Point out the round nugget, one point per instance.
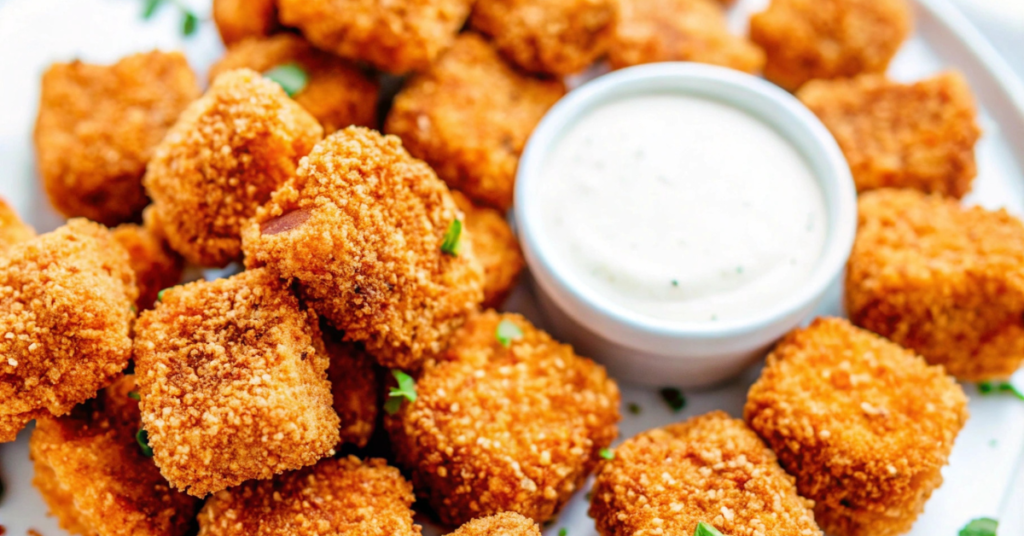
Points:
(361, 228)
(497, 248)
(12, 229)
(506, 524)
(498, 428)
(233, 379)
(336, 497)
(155, 264)
(355, 386)
(338, 94)
(222, 159)
(238, 20)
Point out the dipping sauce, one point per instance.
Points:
(682, 208)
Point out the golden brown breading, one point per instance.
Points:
(812, 39)
(222, 159)
(497, 429)
(470, 116)
(11, 425)
(551, 37)
(12, 229)
(506, 524)
(355, 386)
(155, 264)
(336, 497)
(233, 379)
(95, 478)
(863, 424)
(896, 135)
(238, 20)
(650, 31)
(98, 126)
(66, 305)
(497, 248)
(709, 468)
(395, 36)
(338, 94)
(360, 227)
(944, 281)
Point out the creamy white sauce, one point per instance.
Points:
(682, 208)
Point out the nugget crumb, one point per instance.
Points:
(155, 264)
(497, 248)
(506, 524)
(238, 20)
(12, 229)
(355, 386)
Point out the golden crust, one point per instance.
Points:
(497, 429)
(98, 126)
(222, 159)
(649, 31)
(233, 380)
(336, 497)
(506, 524)
(551, 37)
(812, 39)
(94, 477)
(360, 227)
(470, 116)
(11, 425)
(396, 36)
(338, 94)
(863, 424)
(155, 264)
(12, 229)
(238, 20)
(709, 468)
(355, 386)
(942, 280)
(919, 135)
(496, 246)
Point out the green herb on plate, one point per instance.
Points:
(406, 390)
(983, 526)
(508, 332)
(674, 398)
(290, 76)
(142, 438)
(704, 529)
(451, 243)
(607, 454)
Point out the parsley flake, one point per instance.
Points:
(189, 20)
(982, 526)
(563, 531)
(674, 398)
(290, 76)
(607, 454)
(150, 8)
(189, 23)
(451, 244)
(142, 438)
(634, 408)
(160, 296)
(703, 529)
(507, 332)
(134, 395)
(406, 390)
(986, 388)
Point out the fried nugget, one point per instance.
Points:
(155, 264)
(650, 31)
(549, 37)
(233, 379)
(506, 524)
(864, 425)
(336, 497)
(337, 94)
(470, 116)
(942, 280)
(498, 428)
(710, 469)
(919, 135)
(238, 20)
(98, 126)
(222, 159)
(95, 478)
(361, 227)
(825, 39)
(12, 229)
(66, 306)
(396, 36)
(497, 248)
(355, 386)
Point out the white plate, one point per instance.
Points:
(987, 457)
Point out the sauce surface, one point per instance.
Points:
(682, 208)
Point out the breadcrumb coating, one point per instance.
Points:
(470, 116)
(919, 135)
(710, 469)
(10, 425)
(360, 227)
(497, 248)
(650, 31)
(238, 20)
(497, 429)
(506, 524)
(233, 379)
(355, 386)
(336, 497)
(222, 159)
(155, 264)
(942, 280)
(12, 229)
(98, 126)
(864, 425)
(95, 478)
(825, 39)
(338, 94)
(548, 37)
(397, 36)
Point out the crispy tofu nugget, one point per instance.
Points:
(355, 386)
(548, 37)
(233, 379)
(66, 306)
(496, 428)
(825, 39)
(336, 497)
(395, 36)
(470, 116)
(98, 126)
(710, 469)
(942, 280)
(506, 524)
(650, 31)
(12, 229)
(497, 248)
(238, 20)
(919, 135)
(362, 227)
(337, 94)
(864, 425)
(155, 264)
(94, 476)
(221, 161)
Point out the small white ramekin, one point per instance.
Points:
(648, 351)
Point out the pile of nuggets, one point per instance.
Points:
(357, 362)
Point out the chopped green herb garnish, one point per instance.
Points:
(142, 438)
(607, 454)
(406, 390)
(703, 529)
(451, 243)
(290, 76)
(634, 408)
(986, 388)
(150, 8)
(982, 526)
(134, 395)
(189, 23)
(160, 295)
(674, 398)
(507, 332)
(133, 309)
(563, 531)
(675, 282)
(589, 496)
